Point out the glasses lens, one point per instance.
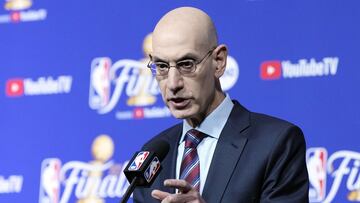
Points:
(160, 68)
(186, 66)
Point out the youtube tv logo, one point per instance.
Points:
(14, 87)
(46, 85)
(303, 68)
(270, 70)
(15, 17)
(139, 113)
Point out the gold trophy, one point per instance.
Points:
(16, 5)
(144, 98)
(354, 196)
(102, 150)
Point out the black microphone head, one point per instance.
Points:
(159, 147)
(145, 165)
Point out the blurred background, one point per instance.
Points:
(77, 100)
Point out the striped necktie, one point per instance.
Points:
(190, 165)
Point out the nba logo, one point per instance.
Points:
(138, 161)
(316, 165)
(152, 169)
(99, 95)
(50, 181)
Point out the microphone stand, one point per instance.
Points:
(129, 190)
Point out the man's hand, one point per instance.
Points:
(186, 193)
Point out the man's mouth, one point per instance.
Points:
(179, 103)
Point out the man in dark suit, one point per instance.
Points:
(221, 152)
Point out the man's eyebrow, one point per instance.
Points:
(187, 56)
(184, 57)
(157, 59)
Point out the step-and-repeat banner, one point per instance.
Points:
(76, 99)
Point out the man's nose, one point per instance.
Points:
(175, 80)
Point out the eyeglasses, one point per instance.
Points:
(185, 67)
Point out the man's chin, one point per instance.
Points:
(180, 114)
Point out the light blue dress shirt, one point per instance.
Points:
(212, 125)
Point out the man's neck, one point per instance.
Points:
(196, 121)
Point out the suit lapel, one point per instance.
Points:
(227, 153)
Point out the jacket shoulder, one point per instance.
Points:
(259, 119)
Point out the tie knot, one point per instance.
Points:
(193, 138)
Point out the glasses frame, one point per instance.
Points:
(154, 70)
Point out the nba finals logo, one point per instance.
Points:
(84, 182)
(130, 83)
(342, 166)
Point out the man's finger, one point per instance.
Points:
(181, 185)
(160, 195)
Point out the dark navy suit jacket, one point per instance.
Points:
(258, 158)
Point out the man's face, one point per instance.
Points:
(187, 96)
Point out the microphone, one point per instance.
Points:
(145, 166)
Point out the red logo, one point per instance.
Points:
(15, 87)
(138, 113)
(15, 17)
(270, 70)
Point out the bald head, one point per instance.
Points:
(185, 38)
(185, 25)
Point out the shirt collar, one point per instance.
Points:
(213, 124)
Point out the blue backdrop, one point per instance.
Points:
(76, 101)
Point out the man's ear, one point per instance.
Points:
(220, 56)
